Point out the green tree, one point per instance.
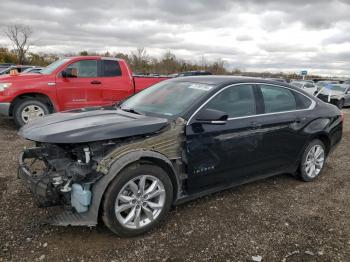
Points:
(84, 53)
(6, 56)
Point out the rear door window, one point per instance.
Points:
(111, 68)
(279, 99)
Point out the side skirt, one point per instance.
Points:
(186, 198)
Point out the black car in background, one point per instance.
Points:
(19, 69)
(32, 70)
(174, 141)
(4, 66)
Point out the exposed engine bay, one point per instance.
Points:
(62, 174)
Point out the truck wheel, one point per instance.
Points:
(340, 103)
(28, 109)
(137, 200)
(312, 161)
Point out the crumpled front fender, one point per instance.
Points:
(90, 218)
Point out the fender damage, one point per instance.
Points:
(75, 176)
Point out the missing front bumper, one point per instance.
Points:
(44, 196)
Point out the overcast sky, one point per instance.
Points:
(271, 35)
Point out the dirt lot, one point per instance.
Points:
(279, 219)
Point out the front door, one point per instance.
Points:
(225, 154)
(81, 87)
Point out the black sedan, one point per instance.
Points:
(177, 140)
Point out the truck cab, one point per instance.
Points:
(68, 83)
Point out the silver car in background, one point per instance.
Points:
(336, 94)
(306, 86)
(322, 84)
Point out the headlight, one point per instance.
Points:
(4, 86)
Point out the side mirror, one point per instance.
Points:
(212, 117)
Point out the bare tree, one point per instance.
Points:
(19, 36)
(140, 60)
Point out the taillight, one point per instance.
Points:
(342, 116)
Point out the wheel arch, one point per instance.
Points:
(34, 95)
(134, 157)
(325, 139)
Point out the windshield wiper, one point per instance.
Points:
(130, 110)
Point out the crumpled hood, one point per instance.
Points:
(88, 125)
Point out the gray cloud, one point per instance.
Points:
(271, 34)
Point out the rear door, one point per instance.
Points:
(286, 112)
(229, 153)
(81, 87)
(114, 85)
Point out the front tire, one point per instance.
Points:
(137, 200)
(313, 160)
(27, 110)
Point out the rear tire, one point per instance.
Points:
(313, 160)
(130, 209)
(28, 109)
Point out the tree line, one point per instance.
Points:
(139, 61)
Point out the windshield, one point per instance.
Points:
(338, 88)
(52, 67)
(166, 98)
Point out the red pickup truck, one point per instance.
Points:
(69, 83)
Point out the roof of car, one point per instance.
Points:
(93, 57)
(226, 80)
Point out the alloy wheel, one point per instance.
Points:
(140, 202)
(314, 161)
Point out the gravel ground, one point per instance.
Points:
(279, 219)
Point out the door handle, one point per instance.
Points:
(95, 82)
(299, 120)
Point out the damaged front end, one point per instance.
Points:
(59, 174)
(76, 157)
